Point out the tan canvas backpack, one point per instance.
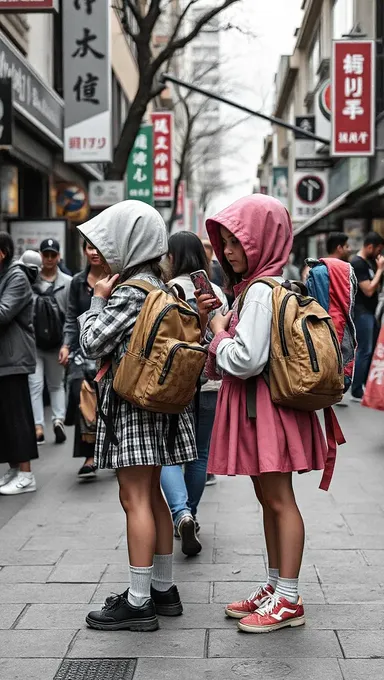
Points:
(164, 359)
(305, 369)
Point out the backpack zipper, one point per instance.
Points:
(311, 348)
(171, 356)
(281, 324)
(156, 325)
(337, 347)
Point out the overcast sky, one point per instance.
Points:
(251, 63)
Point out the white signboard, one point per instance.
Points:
(27, 235)
(310, 194)
(105, 193)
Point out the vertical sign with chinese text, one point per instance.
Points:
(87, 81)
(163, 155)
(353, 98)
(140, 167)
(180, 206)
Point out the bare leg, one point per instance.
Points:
(279, 496)
(136, 498)
(162, 516)
(24, 467)
(270, 528)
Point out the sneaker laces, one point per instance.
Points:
(113, 601)
(269, 605)
(254, 596)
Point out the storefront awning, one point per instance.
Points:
(340, 200)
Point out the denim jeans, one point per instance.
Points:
(366, 332)
(183, 490)
(48, 365)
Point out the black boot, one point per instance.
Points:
(167, 603)
(118, 614)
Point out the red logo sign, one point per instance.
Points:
(353, 98)
(163, 155)
(27, 5)
(180, 208)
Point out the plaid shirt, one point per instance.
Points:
(105, 331)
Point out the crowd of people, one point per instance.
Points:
(75, 336)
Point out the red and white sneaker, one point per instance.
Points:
(237, 610)
(275, 613)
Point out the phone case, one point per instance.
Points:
(201, 282)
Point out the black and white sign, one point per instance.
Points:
(313, 163)
(310, 194)
(307, 124)
(106, 193)
(6, 112)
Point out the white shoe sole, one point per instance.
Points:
(26, 489)
(235, 615)
(290, 623)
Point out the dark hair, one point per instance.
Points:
(373, 239)
(188, 254)
(7, 247)
(85, 244)
(153, 265)
(335, 239)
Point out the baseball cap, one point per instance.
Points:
(50, 244)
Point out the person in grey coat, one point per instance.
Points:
(17, 361)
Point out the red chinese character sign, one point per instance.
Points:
(353, 98)
(163, 155)
(28, 5)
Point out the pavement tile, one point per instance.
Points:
(55, 617)
(25, 574)
(351, 575)
(33, 669)
(191, 592)
(71, 541)
(374, 557)
(121, 644)
(289, 643)
(357, 646)
(239, 669)
(327, 541)
(93, 557)
(345, 617)
(49, 592)
(360, 669)
(362, 523)
(229, 592)
(190, 571)
(9, 614)
(32, 644)
(76, 573)
(30, 557)
(335, 558)
(347, 593)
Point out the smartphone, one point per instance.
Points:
(201, 282)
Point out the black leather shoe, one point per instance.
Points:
(119, 614)
(167, 603)
(190, 544)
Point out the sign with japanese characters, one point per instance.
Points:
(140, 167)
(106, 193)
(28, 5)
(6, 112)
(353, 98)
(310, 194)
(163, 155)
(87, 81)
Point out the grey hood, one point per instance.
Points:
(127, 234)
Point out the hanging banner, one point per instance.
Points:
(87, 81)
(6, 113)
(163, 155)
(29, 5)
(180, 207)
(280, 184)
(140, 167)
(353, 98)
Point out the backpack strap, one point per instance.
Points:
(138, 283)
(271, 283)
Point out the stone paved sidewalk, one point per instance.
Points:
(62, 550)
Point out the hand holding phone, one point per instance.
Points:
(202, 283)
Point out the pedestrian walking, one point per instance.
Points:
(253, 238)
(17, 361)
(369, 267)
(80, 368)
(338, 246)
(50, 306)
(184, 488)
(131, 238)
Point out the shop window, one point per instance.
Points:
(342, 18)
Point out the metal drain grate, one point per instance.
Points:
(96, 669)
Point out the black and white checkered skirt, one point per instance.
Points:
(142, 436)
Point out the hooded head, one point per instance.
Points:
(127, 234)
(264, 229)
(31, 263)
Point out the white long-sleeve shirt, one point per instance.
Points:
(247, 353)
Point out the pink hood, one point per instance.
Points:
(264, 229)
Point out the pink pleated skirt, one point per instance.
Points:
(278, 440)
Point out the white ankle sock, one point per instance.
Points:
(27, 474)
(162, 578)
(140, 588)
(273, 575)
(288, 588)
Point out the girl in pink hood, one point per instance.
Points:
(253, 238)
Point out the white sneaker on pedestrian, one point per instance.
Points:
(10, 474)
(21, 483)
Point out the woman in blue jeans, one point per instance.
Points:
(183, 488)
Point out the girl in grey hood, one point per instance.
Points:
(131, 237)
